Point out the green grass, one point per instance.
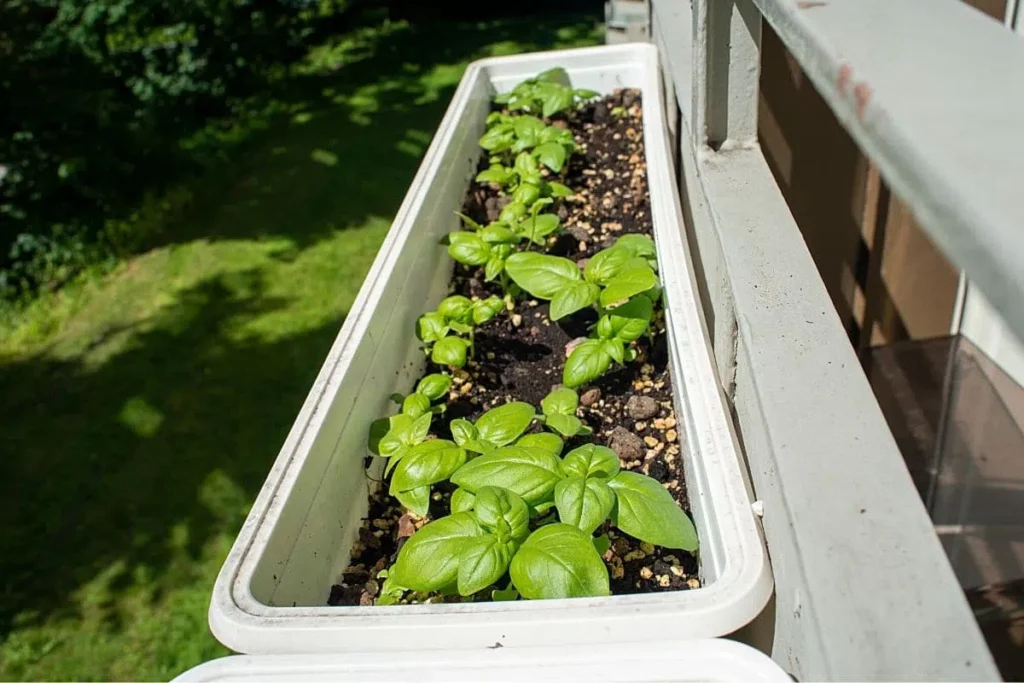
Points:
(143, 407)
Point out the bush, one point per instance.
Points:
(96, 96)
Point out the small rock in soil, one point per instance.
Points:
(590, 397)
(578, 232)
(627, 444)
(641, 407)
(406, 527)
(571, 346)
(629, 98)
(494, 205)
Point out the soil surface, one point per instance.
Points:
(520, 355)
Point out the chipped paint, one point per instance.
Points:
(861, 95)
(843, 80)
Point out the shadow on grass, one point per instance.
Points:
(120, 469)
(340, 139)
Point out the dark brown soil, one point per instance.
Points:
(520, 356)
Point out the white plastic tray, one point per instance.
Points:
(718, 661)
(271, 593)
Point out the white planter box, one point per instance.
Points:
(271, 593)
(706, 661)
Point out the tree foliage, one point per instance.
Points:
(96, 95)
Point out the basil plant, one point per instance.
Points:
(620, 281)
(523, 510)
(440, 330)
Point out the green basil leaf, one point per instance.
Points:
(560, 401)
(602, 543)
(482, 561)
(636, 245)
(606, 264)
(555, 100)
(541, 275)
(645, 510)
(544, 441)
(584, 503)
(504, 424)
(507, 595)
(591, 460)
(566, 425)
(587, 362)
(462, 501)
(559, 190)
(497, 174)
(497, 139)
(628, 321)
(396, 436)
(378, 430)
(627, 283)
(434, 386)
(493, 269)
(537, 229)
(479, 446)
(428, 463)
(486, 309)
(395, 458)
(558, 561)
(525, 164)
(585, 94)
(529, 472)
(418, 430)
(469, 221)
(551, 154)
(429, 560)
(512, 213)
(468, 248)
(450, 351)
(493, 504)
(527, 193)
(456, 307)
(431, 327)
(528, 126)
(463, 431)
(573, 297)
(415, 405)
(555, 75)
(417, 500)
(615, 349)
(496, 233)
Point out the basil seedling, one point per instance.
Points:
(461, 316)
(548, 93)
(559, 409)
(620, 281)
(523, 181)
(549, 145)
(497, 427)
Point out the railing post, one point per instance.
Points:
(726, 66)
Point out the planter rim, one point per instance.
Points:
(739, 592)
(714, 661)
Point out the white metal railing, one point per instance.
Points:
(933, 92)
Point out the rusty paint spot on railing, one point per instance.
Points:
(862, 95)
(810, 5)
(843, 80)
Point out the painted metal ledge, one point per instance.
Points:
(863, 587)
(932, 91)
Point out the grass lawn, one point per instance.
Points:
(142, 408)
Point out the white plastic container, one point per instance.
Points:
(271, 593)
(717, 661)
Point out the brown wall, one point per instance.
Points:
(886, 278)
